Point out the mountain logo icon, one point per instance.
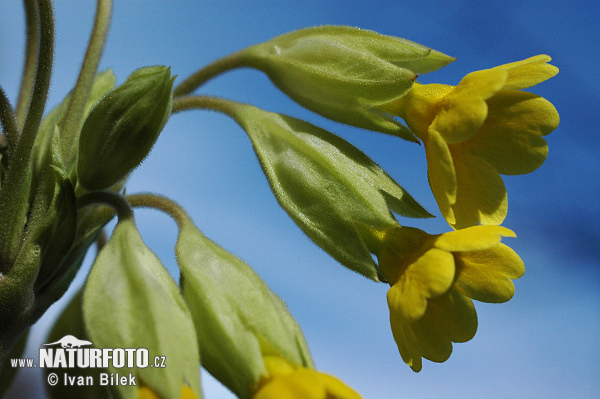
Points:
(69, 341)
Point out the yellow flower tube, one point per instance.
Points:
(472, 133)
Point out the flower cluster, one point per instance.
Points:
(57, 175)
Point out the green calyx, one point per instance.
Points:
(345, 73)
(330, 188)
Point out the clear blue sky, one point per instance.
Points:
(544, 343)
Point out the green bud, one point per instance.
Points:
(131, 301)
(122, 127)
(345, 73)
(238, 318)
(330, 188)
(52, 123)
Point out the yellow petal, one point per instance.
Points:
(405, 338)
(336, 388)
(145, 392)
(449, 318)
(302, 384)
(510, 140)
(480, 195)
(428, 276)
(464, 110)
(472, 238)
(528, 72)
(486, 275)
(188, 393)
(441, 174)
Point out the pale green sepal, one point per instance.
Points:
(345, 73)
(121, 129)
(131, 301)
(238, 318)
(328, 186)
(433, 61)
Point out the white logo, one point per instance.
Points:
(70, 354)
(69, 341)
(73, 352)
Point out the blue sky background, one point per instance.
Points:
(544, 343)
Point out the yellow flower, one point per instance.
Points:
(286, 381)
(145, 392)
(433, 279)
(473, 132)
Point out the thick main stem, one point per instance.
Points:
(9, 124)
(13, 197)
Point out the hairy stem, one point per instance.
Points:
(31, 57)
(13, 197)
(223, 105)
(232, 61)
(8, 122)
(110, 198)
(161, 203)
(81, 92)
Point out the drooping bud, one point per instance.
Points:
(121, 129)
(238, 319)
(345, 73)
(146, 311)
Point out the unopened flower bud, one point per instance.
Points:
(121, 129)
(345, 73)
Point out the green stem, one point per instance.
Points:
(110, 198)
(81, 92)
(232, 61)
(8, 122)
(13, 197)
(161, 203)
(31, 57)
(225, 106)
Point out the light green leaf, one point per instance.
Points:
(131, 301)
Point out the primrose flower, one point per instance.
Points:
(433, 279)
(475, 131)
(145, 392)
(286, 381)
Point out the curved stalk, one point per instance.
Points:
(161, 203)
(212, 103)
(116, 201)
(232, 61)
